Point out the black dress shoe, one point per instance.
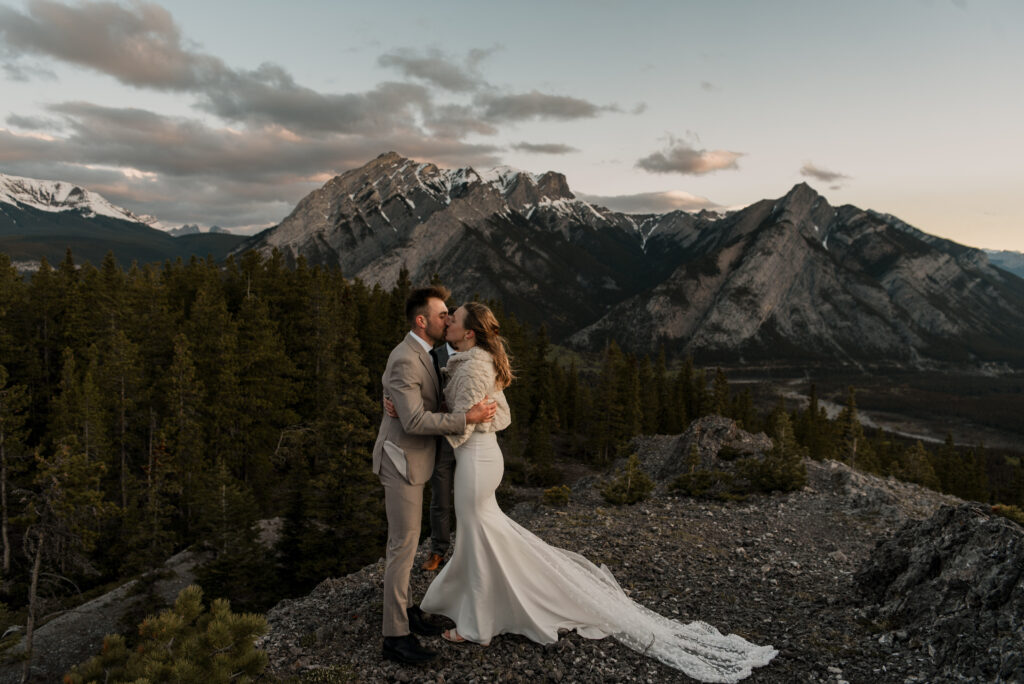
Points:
(419, 624)
(406, 650)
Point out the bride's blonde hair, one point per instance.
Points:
(482, 322)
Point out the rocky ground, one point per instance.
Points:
(775, 569)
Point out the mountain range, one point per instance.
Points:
(41, 218)
(790, 278)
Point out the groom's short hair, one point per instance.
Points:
(416, 304)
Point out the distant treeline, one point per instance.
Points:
(147, 410)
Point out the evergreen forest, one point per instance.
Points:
(176, 405)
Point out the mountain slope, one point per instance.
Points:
(522, 239)
(800, 279)
(1007, 260)
(794, 278)
(41, 218)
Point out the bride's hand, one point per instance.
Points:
(389, 408)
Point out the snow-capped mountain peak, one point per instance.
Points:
(59, 196)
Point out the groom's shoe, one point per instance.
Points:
(433, 563)
(406, 650)
(419, 624)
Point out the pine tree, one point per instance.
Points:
(669, 422)
(182, 432)
(947, 461)
(45, 318)
(650, 399)
(616, 394)
(684, 395)
(183, 644)
(720, 394)
(743, 411)
(120, 385)
(62, 518)
(259, 407)
(813, 428)
(853, 446)
(783, 468)
(915, 466)
(632, 484)
(78, 409)
(242, 568)
(13, 404)
(540, 452)
(13, 294)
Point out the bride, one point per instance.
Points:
(504, 579)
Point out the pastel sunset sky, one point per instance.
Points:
(229, 112)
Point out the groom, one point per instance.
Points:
(403, 459)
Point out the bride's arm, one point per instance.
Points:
(470, 384)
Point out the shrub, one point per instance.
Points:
(707, 483)
(631, 486)
(1013, 513)
(556, 496)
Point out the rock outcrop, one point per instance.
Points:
(77, 634)
(953, 586)
(776, 569)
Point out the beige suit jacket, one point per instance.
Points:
(412, 385)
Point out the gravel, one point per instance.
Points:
(775, 569)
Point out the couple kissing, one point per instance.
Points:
(501, 578)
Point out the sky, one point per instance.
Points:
(223, 112)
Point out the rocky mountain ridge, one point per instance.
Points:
(789, 278)
(795, 570)
(60, 196)
(1007, 260)
(42, 218)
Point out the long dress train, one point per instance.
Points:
(504, 579)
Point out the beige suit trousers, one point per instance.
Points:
(404, 505)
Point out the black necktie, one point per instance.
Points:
(437, 369)
(440, 398)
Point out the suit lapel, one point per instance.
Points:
(428, 364)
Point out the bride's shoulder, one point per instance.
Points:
(476, 359)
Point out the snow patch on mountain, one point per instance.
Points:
(60, 196)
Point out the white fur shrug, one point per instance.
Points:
(471, 377)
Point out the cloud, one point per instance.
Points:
(140, 45)
(537, 105)
(708, 86)
(809, 170)
(269, 95)
(23, 74)
(651, 202)
(544, 148)
(455, 121)
(437, 68)
(681, 157)
(183, 171)
(270, 139)
(33, 123)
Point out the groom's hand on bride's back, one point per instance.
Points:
(482, 412)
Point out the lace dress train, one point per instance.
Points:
(504, 579)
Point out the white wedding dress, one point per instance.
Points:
(504, 579)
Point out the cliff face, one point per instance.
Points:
(800, 279)
(794, 278)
